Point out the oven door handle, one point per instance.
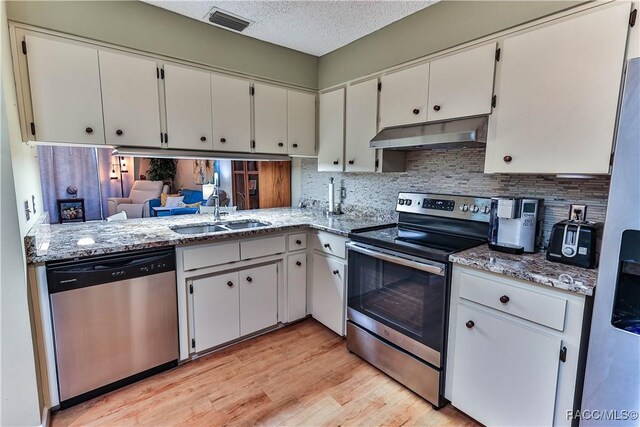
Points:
(433, 268)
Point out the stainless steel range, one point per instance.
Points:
(399, 282)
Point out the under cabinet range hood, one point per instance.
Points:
(420, 136)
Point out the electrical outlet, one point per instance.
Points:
(578, 212)
(27, 211)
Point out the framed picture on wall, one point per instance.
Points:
(71, 210)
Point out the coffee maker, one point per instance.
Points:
(515, 225)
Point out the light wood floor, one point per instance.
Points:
(301, 375)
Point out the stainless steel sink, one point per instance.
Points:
(245, 224)
(216, 228)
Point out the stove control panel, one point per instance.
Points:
(445, 205)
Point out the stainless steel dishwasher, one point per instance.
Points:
(114, 321)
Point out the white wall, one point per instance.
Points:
(19, 398)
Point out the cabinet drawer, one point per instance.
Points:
(297, 241)
(262, 247)
(207, 256)
(543, 309)
(330, 244)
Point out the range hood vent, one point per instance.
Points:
(228, 21)
(420, 136)
(163, 153)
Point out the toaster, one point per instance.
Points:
(575, 243)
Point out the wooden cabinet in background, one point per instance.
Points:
(331, 141)
(188, 105)
(301, 123)
(130, 100)
(231, 108)
(270, 119)
(403, 96)
(261, 184)
(65, 91)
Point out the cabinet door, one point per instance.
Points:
(461, 85)
(188, 99)
(361, 126)
(216, 310)
(130, 100)
(297, 286)
(270, 109)
(403, 96)
(327, 293)
(301, 123)
(231, 113)
(504, 373)
(258, 298)
(557, 95)
(331, 147)
(65, 91)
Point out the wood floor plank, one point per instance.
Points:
(299, 375)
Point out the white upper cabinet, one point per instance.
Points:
(403, 98)
(130, 100)
(461, 85)
(557, 93)
(231, 113)
(301, 123)
(188, 104)
(270, 119)
(65, 91)
(331, 147)
(361, 126)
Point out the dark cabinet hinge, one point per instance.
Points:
(494, 100)
(253, 144)
(190, 289)
(379, 86)
(563, 354)
(33, 129)
(158, 72)
(632, 17)
(161, 73)
(166, 138)
(497, 54)
(193, 343)
(377, 164)
(24, 47)
(161, 138)
(611, 159)
(252, 90)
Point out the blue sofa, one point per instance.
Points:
(190, 196)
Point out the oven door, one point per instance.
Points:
(399, 298)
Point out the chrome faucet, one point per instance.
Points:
(216, 207)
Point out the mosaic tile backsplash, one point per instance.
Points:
(452, 171)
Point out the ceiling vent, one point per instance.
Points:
(226, 20)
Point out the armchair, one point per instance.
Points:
(137, 204)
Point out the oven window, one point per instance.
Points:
(410, 301)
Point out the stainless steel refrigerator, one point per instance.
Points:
(611, 395)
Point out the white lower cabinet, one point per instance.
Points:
(505, 373)
(328, 291)
(258, 298)
(296, 286)
(216, 304)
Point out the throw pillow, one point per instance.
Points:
(163, 198)
(174, 202)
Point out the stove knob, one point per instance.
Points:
(486, 210)
(475, 208)
(407, 202)
(464, 208)
(401, 201)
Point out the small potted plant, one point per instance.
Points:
(162, 170)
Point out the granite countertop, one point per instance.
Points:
(530, 267)
(49, 242)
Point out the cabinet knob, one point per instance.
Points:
(504, 299)
(230, 284)
(203, 138)
(298, 263)
(89, 130)
(336, 272)
(280, 144)
(223, 140)
(327, 245)
(298, 242)
(249, 279)
(507, 159)
(436, 108)
(351, 162)
(295, 145)
(470, 324)
(416, 111)
(119, 132)
(335, 162)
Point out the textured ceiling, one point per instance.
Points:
(314, 27)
